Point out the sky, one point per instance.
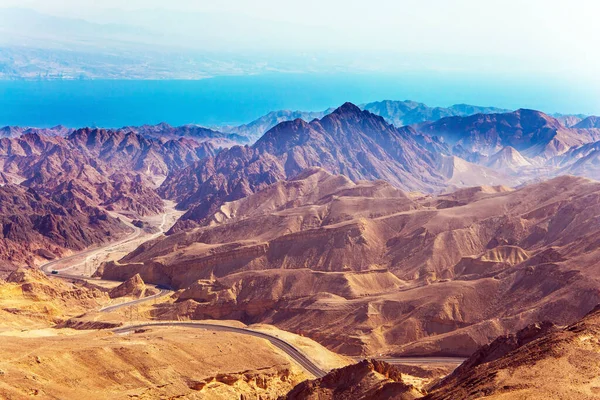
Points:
(540, 43)
(542, 36)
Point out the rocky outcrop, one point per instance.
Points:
(499, 348)
(34, 227)
(367, 380)
(539, 362)
(133, 287)
(29, 295)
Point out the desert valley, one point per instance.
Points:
(389, 250)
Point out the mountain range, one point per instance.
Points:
(359, 258)
(456, 237)
(130, 169)
(398, 113)
(495, 149)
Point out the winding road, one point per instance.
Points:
(296, 355)
(47, 268)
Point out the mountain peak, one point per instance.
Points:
(589, 123)
(347, 108)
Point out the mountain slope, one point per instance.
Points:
(592, 122)
(508, 159)
(540, 362)
(532, 133)
(461, 173)
(35, 228)
(359, 259)
(401, 113)
(260, 126)
(348, 141)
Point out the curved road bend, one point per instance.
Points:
(290, 350)
(424, 360)
(163, 292)
(287, 348)
(46, 267)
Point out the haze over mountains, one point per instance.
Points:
(398, 113)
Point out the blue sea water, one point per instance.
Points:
(240, 99)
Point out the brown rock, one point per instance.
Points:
(133, 287)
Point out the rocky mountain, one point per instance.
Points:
(34, 227)
(580, 161)
(592, 122)
(508, 159)
(484, 149)
(196, 132)
(401, 113)
(114, 169)
(16, 131)
(255, 129)
(539, 362)
(569, 120)
(359, 258)
(398, 113)
(534, 134)
(162, 131)
(130, 151)
(348, 141)
(58, 189)
(367, 380)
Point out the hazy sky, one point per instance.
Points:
(548, 43)
(543, 36)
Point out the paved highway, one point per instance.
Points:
(286, 347)
(47, 268)
(424, 360)
(289, 349)
(163, 292)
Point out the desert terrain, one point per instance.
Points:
(380, 271)
(341, 258)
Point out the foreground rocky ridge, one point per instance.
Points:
(542, 361)
(367, 380)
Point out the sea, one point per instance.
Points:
(240, 99)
